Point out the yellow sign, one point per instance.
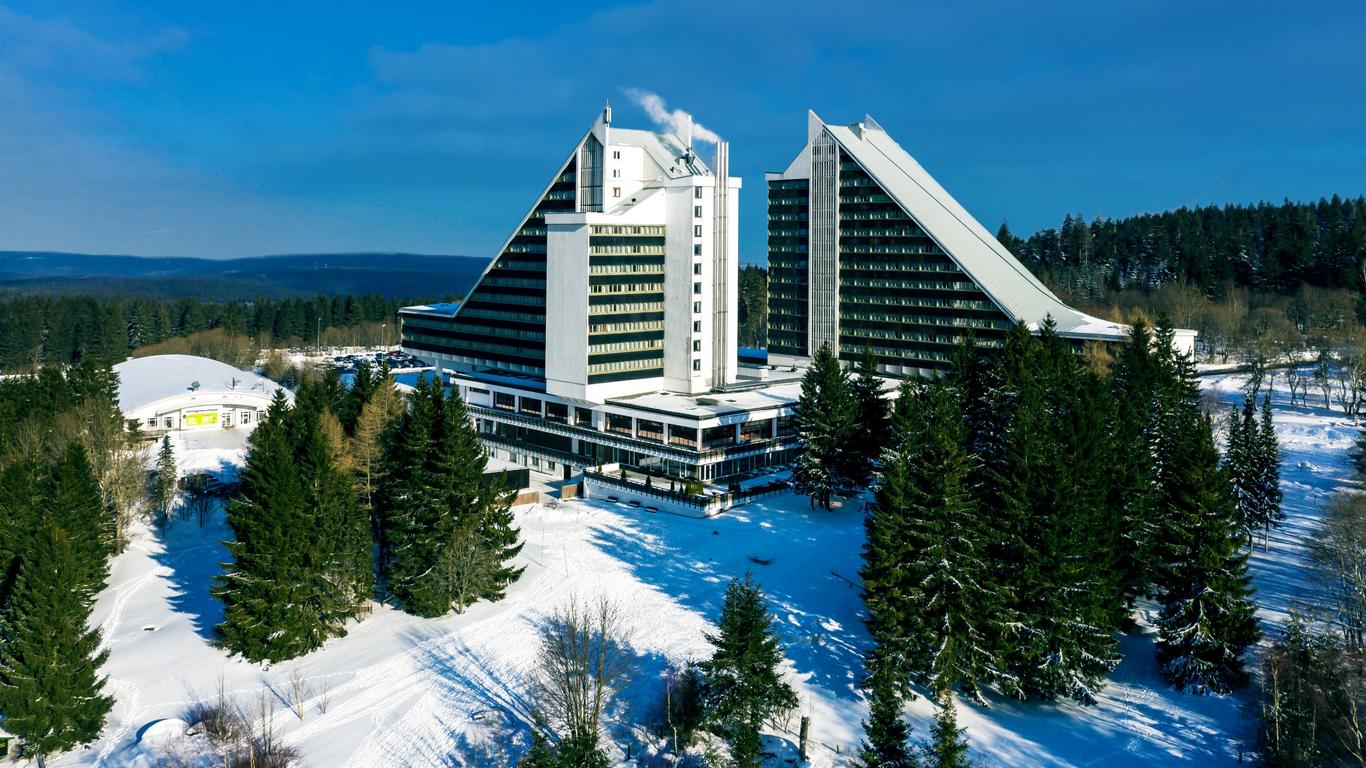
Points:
(203, 419)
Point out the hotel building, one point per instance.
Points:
(605, 329)
(866, 249)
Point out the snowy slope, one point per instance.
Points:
(403, 691)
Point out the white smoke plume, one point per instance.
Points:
(675, 120)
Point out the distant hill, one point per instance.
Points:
(390, 274)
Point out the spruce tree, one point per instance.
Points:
(866, 390)
(164, 481)
(448, 534)
(1053, 492)
(826, 417)
(539, 755)
(1133, 498)
(885, 733)
(943, 603)
(22, 488)
(1268, 472)
(50, 690)
(297, 561)
(886, 583)
(742, 678)
(74, 503)
(1208, 618)
(581, 752)
(1240, 464)
(946, 748)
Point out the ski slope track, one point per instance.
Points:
(403, 691)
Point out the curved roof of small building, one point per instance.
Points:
(146, 380)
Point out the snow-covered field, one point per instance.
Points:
(402, 691)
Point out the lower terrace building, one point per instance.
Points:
(604, 332)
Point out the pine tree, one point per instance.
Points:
(50, 688)
(164, 481)
(866, 390)
(885, 733)
(826, 417)
(947, 748)
(744, 685)
(1208, 618)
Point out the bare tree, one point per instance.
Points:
(1338, 549)
(1350, 375)
(1297, 380)
(583, 664)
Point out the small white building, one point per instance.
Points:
(167, 393)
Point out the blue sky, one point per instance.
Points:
(233, 129)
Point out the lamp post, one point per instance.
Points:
(384, 335)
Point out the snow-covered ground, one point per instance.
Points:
(403, 691)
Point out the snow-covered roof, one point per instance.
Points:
(146, 380)
(442, 309)
(665, 149)
(776, 395)
(996, 271)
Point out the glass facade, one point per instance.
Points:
(788, 216)
(899, 293)
(502, 324)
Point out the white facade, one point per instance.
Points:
(166, 393)
(649, 180)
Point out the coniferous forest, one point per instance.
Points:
(1265, 247)
(347, 486)
(1024, 503)
(64, 502)
(56, 330)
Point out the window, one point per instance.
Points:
(246, 417)
(697, 269)
(697, 230)
(697, 307)
(170, 422)
(697, 211)
(697, 249)
(697, 345)
(697, 288)
(616, 173)
(583, 417)
(696, 364)
(616, 155)
(616, 191)
(697, 326)
(697, 193)
(504, 401)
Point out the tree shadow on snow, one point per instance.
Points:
(489, 709)
(194, 557)
(806, 561)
